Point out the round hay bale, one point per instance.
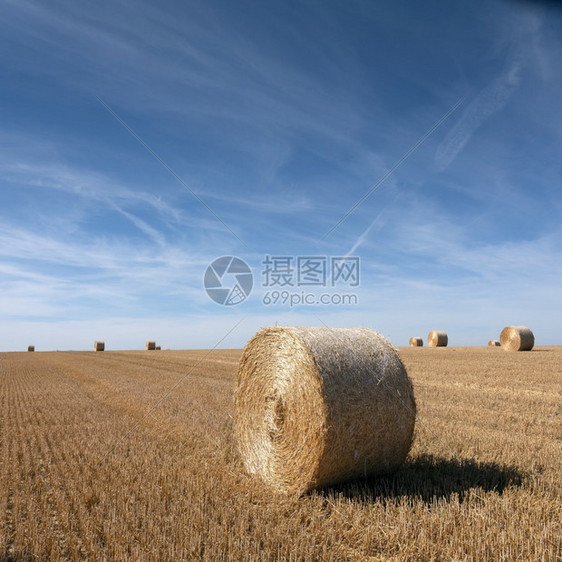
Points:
(318, 406)
(517, 338)
(437, 339)
(494, 343)
(158, 348)
(150, 345)
(30, 348)
(99, 346)
(416, 342)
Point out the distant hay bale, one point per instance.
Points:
(30, 348)
(99, 346)
(150, 345)
(437, 339)
(158, 348)
(494, 343)
(517, 338)
(416, 342)
(318, 406)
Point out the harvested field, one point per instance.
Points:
(130, 456)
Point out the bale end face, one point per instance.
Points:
(437, 339)
(517, 338)
(416, 342)
(318, 406)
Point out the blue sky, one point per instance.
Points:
(278, 117)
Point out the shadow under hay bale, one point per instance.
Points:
(316, 406)
(437, 339)
(431, 479)
(517, 338)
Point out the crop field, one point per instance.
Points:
(130, 456)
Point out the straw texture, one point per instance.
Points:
(437, 339)
(99, 346)
(494, 343)
(317, 406)
(416, 342)
(150, 345)
(30, 348)
(517, 338)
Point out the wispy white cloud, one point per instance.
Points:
(257, 102)
(83, 183)
(167, 215)
(520, 37)
(287, 201)
(58, 276)
(376, 224)
(143, 226)
(486, 103)
(419, 235)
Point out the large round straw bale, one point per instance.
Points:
(416, 342)
(494, 343)
(517, 338)
(30, 348)
(437, 339)
(150, 345)
(99, 346)
(317, 406)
